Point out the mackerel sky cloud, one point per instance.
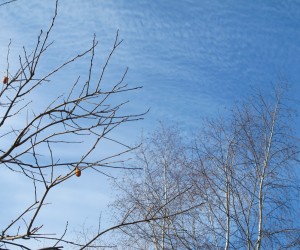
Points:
(193, 58)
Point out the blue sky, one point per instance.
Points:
(193, 59)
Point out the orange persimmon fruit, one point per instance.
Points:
(5, 79)
(77, 172)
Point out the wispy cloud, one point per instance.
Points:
(192, 57)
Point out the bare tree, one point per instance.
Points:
(33, 133)
(237, 182)
(249, 165)
(162, 190)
